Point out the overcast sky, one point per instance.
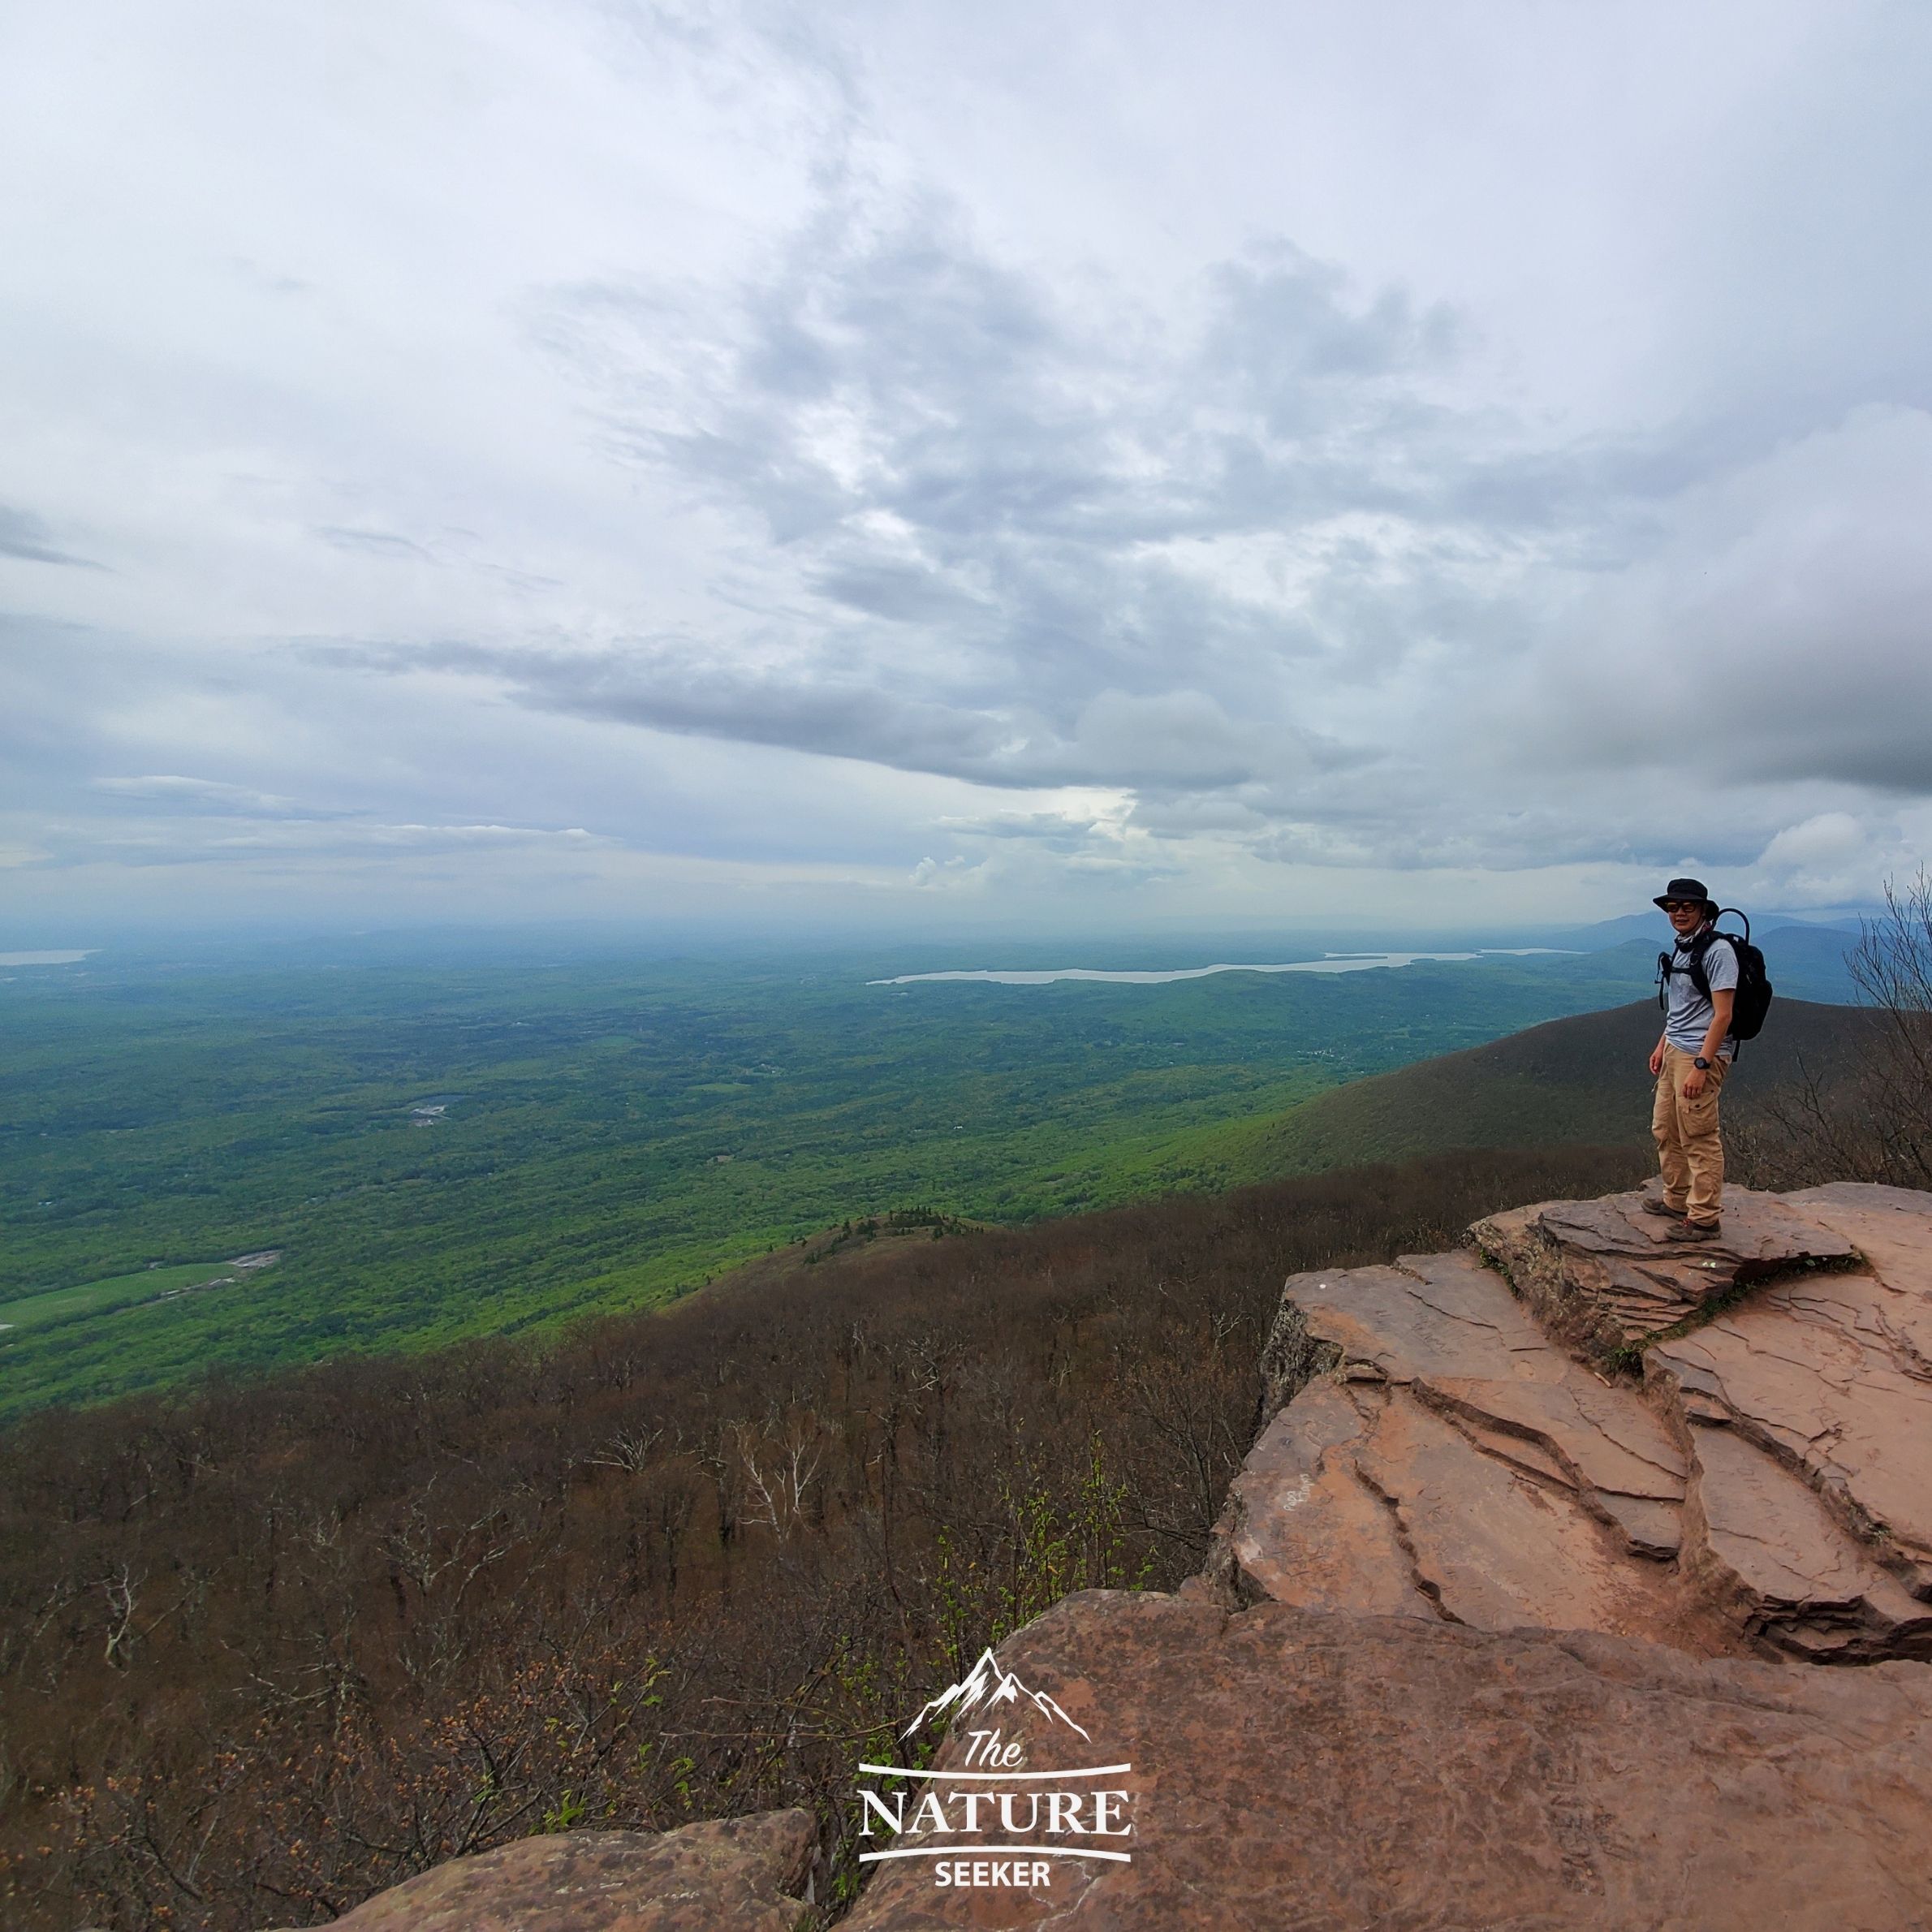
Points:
(1070, 464)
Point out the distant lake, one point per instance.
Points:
(1332, 962)
(42, 958)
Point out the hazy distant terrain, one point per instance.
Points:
(478, 1149)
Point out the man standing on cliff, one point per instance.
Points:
(1690, 1062)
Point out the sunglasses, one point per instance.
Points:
(1684, 905)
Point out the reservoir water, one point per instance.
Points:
(1333, 962)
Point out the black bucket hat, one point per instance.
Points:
(1687, 889)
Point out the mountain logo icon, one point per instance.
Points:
(986, 1687)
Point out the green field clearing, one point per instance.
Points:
(117, 1292)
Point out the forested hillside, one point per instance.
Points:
(1582, 1079)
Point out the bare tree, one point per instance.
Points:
(1893, 968)
(1871, 1122)
(778, 1489)
(629, 1449)
(120, 1587)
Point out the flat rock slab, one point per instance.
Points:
(1448, 1327)
(1297, 1772)
(1890, 1226)
(723, 1875)
(1449, 1461)
(1763, 1548)
(1363, 1498)
(1302, 1525)
(1603, 1277)
(1808, 1412)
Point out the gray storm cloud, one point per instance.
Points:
(981, 495)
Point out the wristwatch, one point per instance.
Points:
(1701, 1064)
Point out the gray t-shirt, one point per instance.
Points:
(1688, 1019)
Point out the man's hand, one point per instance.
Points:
(1693, 1083)
(1656, 1058)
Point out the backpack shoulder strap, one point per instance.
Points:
(1699, 946)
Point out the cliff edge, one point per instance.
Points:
(1515, 1611)
(1514, 1620)
(1450, 1440)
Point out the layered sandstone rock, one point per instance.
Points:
(1831, 1374)
(723, 1875)
(1453, 1462)
(1808, 1412)
(1293, 1770)
(1768, 1486)
(1601, 1276)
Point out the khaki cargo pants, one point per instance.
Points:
(1690, 1150)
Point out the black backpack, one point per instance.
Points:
(1753, 998)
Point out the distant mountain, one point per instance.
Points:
(1808, 961)
(1804, 962)
(1651, 926)
(987, 1684)
(1654, 928)
(1581, 1081)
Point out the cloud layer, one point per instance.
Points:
(725, 454)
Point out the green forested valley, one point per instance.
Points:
(482, 1147)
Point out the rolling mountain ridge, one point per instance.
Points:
(1581, 1081)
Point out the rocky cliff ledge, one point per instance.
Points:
(1515, 1614)
(1515, 1607)
(1437, 1450)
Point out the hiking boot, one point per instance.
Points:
(1694, 1230)
(1655, 1205)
